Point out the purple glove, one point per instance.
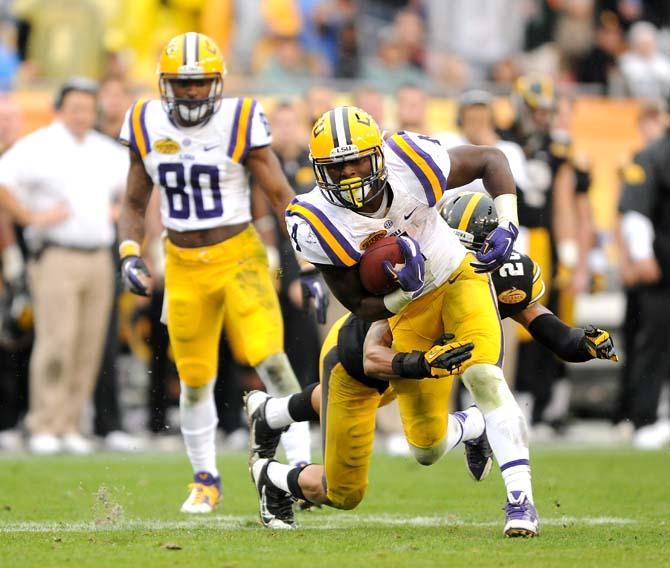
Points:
(411, 276)
(313, 288)
(496, 250)
(131, 269)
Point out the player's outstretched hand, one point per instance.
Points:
(446, 357)
(497, 248)
(313, 289)
(135, 275)
(411, 276)
(599, 344)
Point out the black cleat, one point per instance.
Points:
(263, 440)
(275, 505)
(478, 457)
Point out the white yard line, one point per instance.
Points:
(316, 522)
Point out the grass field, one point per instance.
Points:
(599, 508)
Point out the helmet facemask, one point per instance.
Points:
(186, 111)
(356, 192)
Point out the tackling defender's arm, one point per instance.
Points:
(572, 344)
(381, 361)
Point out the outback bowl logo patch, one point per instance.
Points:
(372, 239)
(166, 146)
(512, 296)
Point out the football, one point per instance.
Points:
(373, 277)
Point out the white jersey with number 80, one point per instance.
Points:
(200, 170)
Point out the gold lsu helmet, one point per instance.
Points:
(345, 134)
(191, 57)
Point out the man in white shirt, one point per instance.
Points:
(60, 182)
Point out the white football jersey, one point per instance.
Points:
(418, 168)
(199, 170)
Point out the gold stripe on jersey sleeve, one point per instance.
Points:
(538, 288)
(469, 210)
(138, 131)
(242, 128)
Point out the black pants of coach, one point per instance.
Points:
(651, 362)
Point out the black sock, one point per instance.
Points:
(300, 405)
(293, 485)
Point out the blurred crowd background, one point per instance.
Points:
(407, 62)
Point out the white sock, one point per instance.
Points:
(508, 436)
(276, 412)
(277, 375)
(278, 474)
(505, 425)
(280, 380)
(197, 412)
(296, 444)
(471, 421)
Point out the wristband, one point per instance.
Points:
(410, 365)
(506, 209)
(129, 248)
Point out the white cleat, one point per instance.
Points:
(77, 445)
(44, 444)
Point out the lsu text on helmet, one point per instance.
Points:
(345, 134)
(195, 58)
(472, 215)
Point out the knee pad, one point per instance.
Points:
(195, 373)
(428, 456)
(277, 375)
(346, 498)
(183, 317)
(192, 395)
(487, 386)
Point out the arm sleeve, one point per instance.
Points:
(565, 341)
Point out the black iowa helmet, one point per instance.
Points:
(472, 215)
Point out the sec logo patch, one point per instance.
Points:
(512, 296)
(166, 146)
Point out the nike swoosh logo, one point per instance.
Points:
(208, 148)
(453, 279)
(410, 214)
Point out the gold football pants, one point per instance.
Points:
(223, 286)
